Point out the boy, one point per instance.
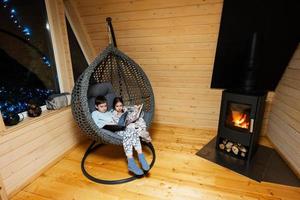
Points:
(101, 116)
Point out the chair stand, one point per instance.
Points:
(93, 147)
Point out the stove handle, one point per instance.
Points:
(251, 125)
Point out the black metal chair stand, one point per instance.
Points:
(93, 146)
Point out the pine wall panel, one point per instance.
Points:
(284, 122)
(28, 149)
(174, 41)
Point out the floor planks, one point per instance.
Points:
(178, 174)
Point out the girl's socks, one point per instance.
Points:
(143, 161)
(134, 168)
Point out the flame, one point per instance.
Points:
(240, 119)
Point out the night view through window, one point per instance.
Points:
(28, 71)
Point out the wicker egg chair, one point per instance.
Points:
(111, 74)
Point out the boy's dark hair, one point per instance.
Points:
(116, 100)
(100, 100)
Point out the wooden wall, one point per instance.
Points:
(284, 125)
(3, 194)
(174, 41)
(27, 149)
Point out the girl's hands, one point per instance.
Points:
(137, 106)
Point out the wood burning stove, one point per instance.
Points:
(240, 122)
(236, 145)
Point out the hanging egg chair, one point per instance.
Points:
(111, 74)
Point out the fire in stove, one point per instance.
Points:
(240, 119)
(238, 116)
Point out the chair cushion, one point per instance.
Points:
(110, 99)
(147, 117)
(100, 89)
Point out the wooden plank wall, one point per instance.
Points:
(174, 41)
(27, 150)
(284, 125)
(3, 194)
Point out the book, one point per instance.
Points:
(114, 127)
(131, 115)
(134, 113)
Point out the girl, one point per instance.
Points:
(132, 116)
(130, 140)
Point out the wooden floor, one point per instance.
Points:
(177, 174)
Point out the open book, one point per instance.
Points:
(118, 127)
(131, 115)
(134, 113)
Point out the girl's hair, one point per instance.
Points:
(116, 100)
(100, 100)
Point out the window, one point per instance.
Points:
(79, 63)
(28, 71)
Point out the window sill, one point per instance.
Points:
(31, 120)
